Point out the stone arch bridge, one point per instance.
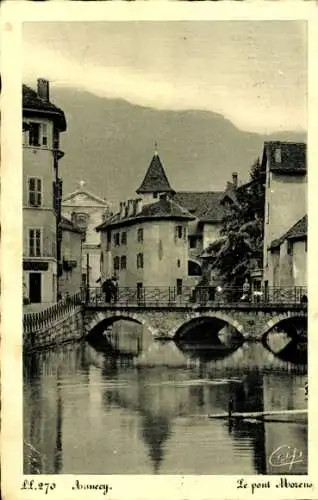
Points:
(252, 321)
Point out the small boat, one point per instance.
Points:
(257, 414)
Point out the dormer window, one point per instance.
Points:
(278, 155)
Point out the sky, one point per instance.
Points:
(252, 72)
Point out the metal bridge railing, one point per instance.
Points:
(154, 296)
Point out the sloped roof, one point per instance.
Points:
(155, 180)
(293, 156)
(68, 225)
(297, 231)
(33, 104)
(160, 210)
(205, 205)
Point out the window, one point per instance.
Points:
(124, 238)
(179, 286)
(44, 134)
(80, 219)
(116, 240)
(35, 192)
(123, 262)
(155, 195)
(178, 263)
(289, 247)
(140, 261)
(116, 263)
(140, 235)
(179, 232)
(34, 134)
(192, 241)
(35, 243)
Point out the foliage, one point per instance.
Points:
(242, 231)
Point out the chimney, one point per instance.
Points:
(121, 210)
(138, 206)
(130, 208)
(44, 89)
(234, 179)
(107, 213)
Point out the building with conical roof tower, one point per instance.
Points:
(155, 183)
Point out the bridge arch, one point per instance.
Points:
(113, 316)
(276, 320)
(199, 317)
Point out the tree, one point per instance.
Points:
(241, 240)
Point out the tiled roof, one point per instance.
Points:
(162, 209)
(293, 156)
(68, 225)
(298, 230)
(205, 205)
(155, 180)
(32, 103)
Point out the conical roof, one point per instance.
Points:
(155, 180)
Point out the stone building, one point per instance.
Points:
(285, 210)
(70, 281)
(288, 257)
(87, 211)
(157, 238)
(43, 123)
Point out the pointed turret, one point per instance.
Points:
(155, 181)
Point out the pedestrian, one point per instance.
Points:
(114, 289)
(246, 290)
(107, 290)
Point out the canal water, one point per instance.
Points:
(143, 409)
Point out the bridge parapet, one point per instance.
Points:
(171, 297)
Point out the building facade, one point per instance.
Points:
(42, 124)
(288, 257)
(87, 211)
(157, 239)
(70, 281)
(285, 208)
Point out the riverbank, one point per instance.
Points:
(53, 325)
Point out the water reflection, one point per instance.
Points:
(86, 411)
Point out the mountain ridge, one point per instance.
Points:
(109, 144)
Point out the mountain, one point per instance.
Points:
(109, 144)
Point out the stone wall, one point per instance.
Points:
(64, 329)
(165, 323)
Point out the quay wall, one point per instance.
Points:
(63, 328)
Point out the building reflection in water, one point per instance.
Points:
(160, 408)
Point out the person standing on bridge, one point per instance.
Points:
(114, 289)
(246, 291)
(107, 288)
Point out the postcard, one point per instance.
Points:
(157, 278)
